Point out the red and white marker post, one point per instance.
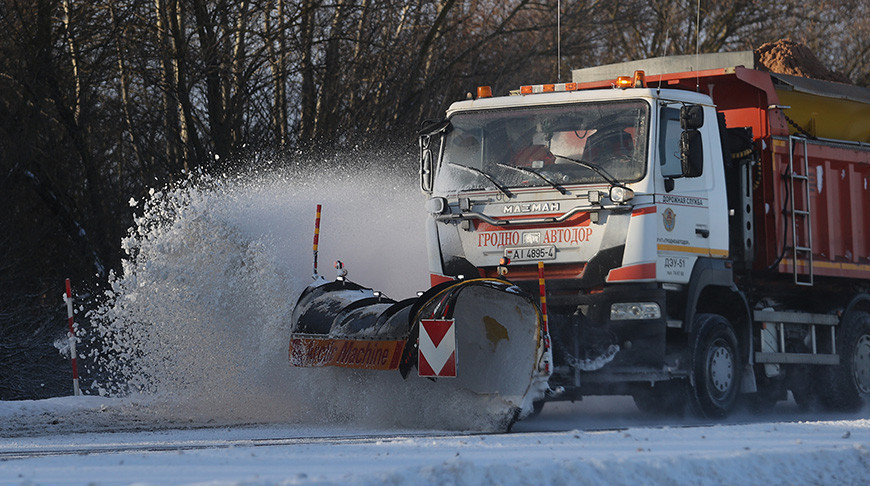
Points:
(67, 297)
(548, 352)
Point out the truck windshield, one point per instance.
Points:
(529, 147)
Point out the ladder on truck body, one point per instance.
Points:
(802, 241)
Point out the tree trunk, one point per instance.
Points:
(170, 104)
(308, 115)
(278, 64)
(215, 103)
(239, 79)
(327, 102)
(357, 60)
(125, 98)
(74, 62)
(70, 114)
(187, 129)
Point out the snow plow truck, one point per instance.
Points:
(686, 230)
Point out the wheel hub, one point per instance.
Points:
(720, 364)
(861, 364)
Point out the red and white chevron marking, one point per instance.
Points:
(437, 348)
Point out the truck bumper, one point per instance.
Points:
(587, 329)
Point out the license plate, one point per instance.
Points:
(531, 253)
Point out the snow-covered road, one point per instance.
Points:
(600, 441)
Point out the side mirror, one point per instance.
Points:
(691, 153)
(426, 166)
(691, 117)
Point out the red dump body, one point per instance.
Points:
(839, 204)
(832, 124)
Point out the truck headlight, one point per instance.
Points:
(620, 194)
(635, 310)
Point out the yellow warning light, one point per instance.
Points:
(549, 88)
(639, 79)
(570, 86)
(624, 82)
(525, 90)
(484, 92)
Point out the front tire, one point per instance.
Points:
(715, 367)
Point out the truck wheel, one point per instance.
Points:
(848, 383)
(715, 366)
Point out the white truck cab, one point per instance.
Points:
(568, 177)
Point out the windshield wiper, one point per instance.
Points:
(536, 174)
(488, 177)
(430, 127)
(594, 168)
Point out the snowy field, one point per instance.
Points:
(92, 440)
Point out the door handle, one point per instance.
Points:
(702, 232)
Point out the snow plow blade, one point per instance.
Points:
(482, 336)
(344, 324)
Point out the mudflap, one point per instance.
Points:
(499, 343)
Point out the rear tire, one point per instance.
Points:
(847, 385)
(715, 367)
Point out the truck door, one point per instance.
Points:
(683, 204)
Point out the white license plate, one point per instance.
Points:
(531, 253)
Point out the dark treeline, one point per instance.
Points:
(102, 99)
